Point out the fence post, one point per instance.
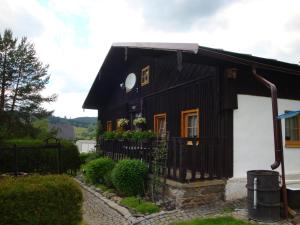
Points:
(182, 173)
(16, 160)
(194, 157)
(59, 158)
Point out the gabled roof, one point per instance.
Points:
(118, 53)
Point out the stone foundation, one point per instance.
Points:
(190, 195)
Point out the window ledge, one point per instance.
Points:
(295, 144)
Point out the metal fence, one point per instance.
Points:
(44, 158)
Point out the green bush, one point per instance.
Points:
(109, 135)
(34, 157)
(129, 177)
(86, 157)
(99, 171)
(40, 200)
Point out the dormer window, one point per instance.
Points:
(145, 76)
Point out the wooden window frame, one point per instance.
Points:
(184, 115)
(294, 144)
(109, 125)
(155, 121)
(143, 76)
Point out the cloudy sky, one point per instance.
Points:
(73, 36)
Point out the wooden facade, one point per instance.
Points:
(181, 80)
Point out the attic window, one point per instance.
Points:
(145, 76)
(292, 132)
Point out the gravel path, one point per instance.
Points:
(97, 212)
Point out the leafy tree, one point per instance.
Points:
(23, 77)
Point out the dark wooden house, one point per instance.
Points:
(192, 92)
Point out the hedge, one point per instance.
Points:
(34, 157)
(129, 176)
(36, 200)
(86, 157)
(99, 171)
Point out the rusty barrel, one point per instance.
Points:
(263, 197)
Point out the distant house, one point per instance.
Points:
(86, 145)
(64, 131)
(205, 94)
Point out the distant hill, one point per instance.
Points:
(76, 122)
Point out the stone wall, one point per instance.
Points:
(190, 195)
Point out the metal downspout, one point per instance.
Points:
(279, 159)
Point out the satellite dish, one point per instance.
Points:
(130, 82)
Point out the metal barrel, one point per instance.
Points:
(263, 197)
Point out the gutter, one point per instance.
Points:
(278, 149)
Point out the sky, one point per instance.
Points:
(74, 36)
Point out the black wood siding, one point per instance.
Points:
(171, 91)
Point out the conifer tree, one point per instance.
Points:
(23, 77)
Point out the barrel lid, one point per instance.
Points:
(263, 172)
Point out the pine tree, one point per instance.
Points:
(23, 78)
(7, 51)
(30, 78)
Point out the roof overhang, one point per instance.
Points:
(185, 47)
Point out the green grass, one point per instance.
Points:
(214, 221)
(83, 223)
(104, 188)
(140, 205)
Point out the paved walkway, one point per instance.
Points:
(97, 212)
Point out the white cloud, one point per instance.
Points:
(73, 37)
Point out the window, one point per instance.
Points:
(145, 76)
(160, 121)
(108, 126)
(190, 123)
(292, 131)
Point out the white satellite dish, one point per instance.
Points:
(130, 82)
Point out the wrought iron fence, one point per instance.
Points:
(45, 158)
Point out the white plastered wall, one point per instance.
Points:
(254, 142)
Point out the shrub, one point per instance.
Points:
(129, 177)
(99, 170)
(109, 135)
(36, 200)
(34, 157)
(86, 157)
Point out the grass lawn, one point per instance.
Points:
(104, 188)
(214, 221)
(140, 205)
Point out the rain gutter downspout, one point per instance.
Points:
(279, 158)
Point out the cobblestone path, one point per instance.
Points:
(97, 212)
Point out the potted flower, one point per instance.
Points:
(123, 123)
(139, 122)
